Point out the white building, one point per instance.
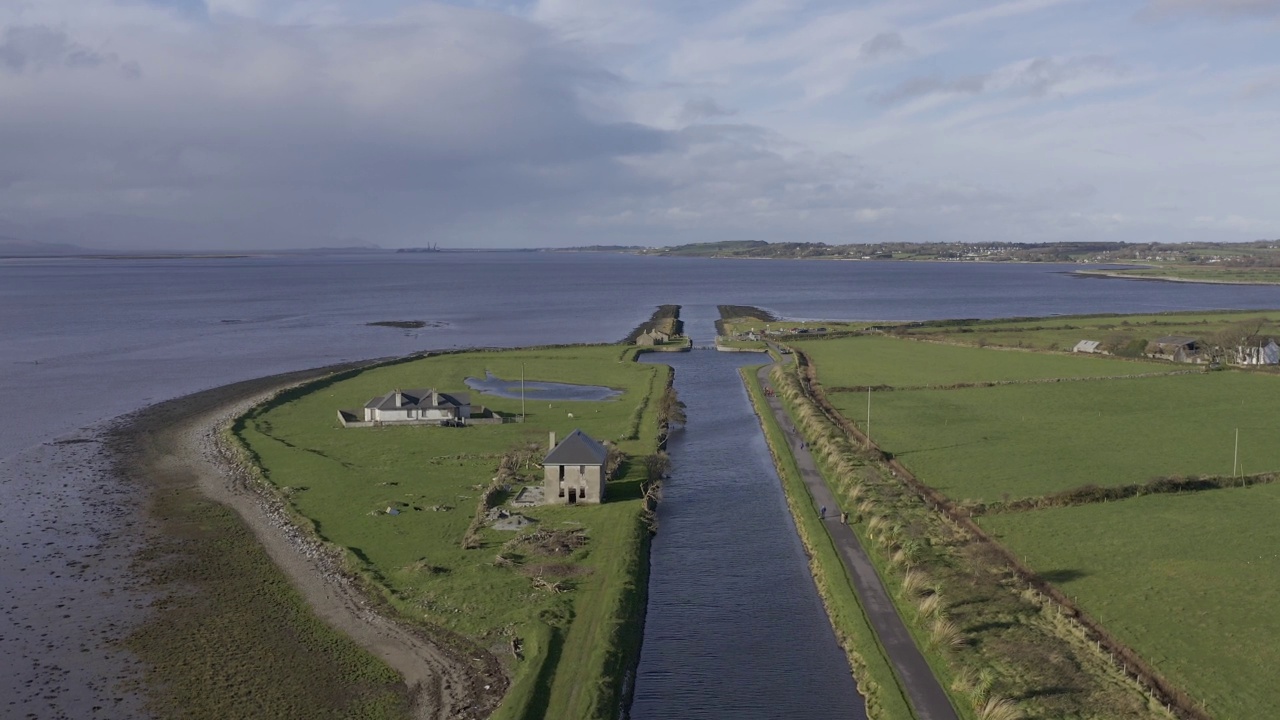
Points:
(427, 406)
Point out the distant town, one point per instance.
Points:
(1261, 253)
(1256, 262)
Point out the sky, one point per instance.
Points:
(257, 124)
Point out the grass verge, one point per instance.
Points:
(877, 682)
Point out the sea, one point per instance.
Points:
(83, 341)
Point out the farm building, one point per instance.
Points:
(1087, 346)
(1268, 354)
(1179, 348)
(652, 337)
(574, 470)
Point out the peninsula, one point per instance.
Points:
(402, 567)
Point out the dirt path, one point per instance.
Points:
(927, 698)
(179, 439)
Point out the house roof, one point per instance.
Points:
(1087, 345)
(577, 449)
(1176, 340)
(423, 398)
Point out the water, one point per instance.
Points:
(82, 341)
(539, 390)
(735, 628)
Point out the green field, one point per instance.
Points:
(1063, 332)
(876, 361)
(342, 481)
(1186, 580)
(1189, 581)
(1028, 440)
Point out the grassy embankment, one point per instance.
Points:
(559, 603)
(738, 320)
(1002, 652)
(666, 318)
(1139, 567)
(877, 681)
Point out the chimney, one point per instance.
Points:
(553, 441)
(399, 399)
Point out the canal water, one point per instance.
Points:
(735, 628)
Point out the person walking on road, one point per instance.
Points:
(823, 512)
(844, 518)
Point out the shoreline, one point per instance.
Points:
(178, 446)
(1104, 275)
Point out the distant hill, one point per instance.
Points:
(724, 248)
(632, 249)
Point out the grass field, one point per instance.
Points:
(1063, 332)
(1189, 581)
(1003, 646)
(875, 361)
(342, 481)
(1029, 440)
(1185, 580)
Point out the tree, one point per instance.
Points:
(670, 410)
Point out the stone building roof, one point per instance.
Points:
(577, 449)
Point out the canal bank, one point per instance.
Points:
(734, 627)
(896, 678)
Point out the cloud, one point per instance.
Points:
(1220, 8)
(387, 131)
(703, 108)
(1041, 75)
(32, 49)
(885, 44)
(263, 123)
(920, 87)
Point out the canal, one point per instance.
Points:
(735, 628)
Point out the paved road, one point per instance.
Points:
(926, 696)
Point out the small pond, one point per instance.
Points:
(541, 390)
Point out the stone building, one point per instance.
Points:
(574, 470)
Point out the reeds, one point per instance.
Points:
(997, 708)
(931, 606)
(946, 634)
(914, 582)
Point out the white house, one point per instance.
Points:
(1087, 346)
(427, 406)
